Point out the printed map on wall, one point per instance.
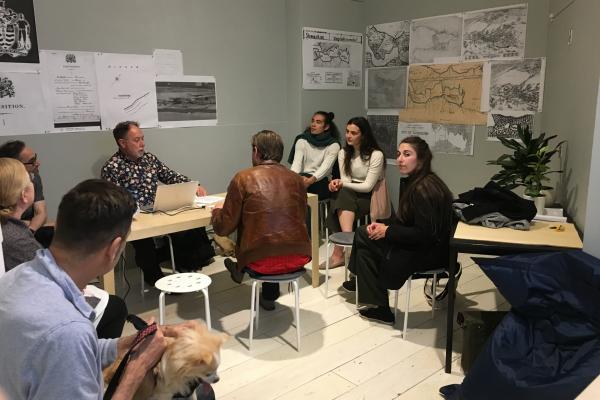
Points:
(448, 139)
(436, 39)
(126, 89)
(495, 33)
(386, 87)
(517, 85)
(385, 130)
(18, 37)
(445, 94)
(331, 59)
(387, 44)
(505, 126)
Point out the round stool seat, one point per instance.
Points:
(342, 238)
(183, 283)
(275, 278)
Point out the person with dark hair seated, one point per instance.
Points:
(36, 216)
(48, 345)
(140, 172)
(416, 239)
(267, 206)
(19, 245)
(362, 165)
(314, 153)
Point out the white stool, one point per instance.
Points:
(254, 307)
(183, 283)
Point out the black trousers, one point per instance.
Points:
(112, 321)
(364, 263)
(192, 251)
(270, 291)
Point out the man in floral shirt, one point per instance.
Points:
(138, 171)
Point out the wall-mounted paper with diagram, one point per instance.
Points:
(331, 59)
(385, 130)
(517, 85)
(448, 139)
(387, 44)
(186, 101)
(505, 125)
(386, 88)
(22, 108)
(168, 62)
(495, 33)
(435, 38)
(69, 84)
(445, 94)
(126, 89)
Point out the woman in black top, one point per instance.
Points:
(415, 239)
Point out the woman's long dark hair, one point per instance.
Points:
(368, 144)
(333, 129)
(424, 186)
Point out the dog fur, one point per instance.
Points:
(195, 354)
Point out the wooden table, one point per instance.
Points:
(477, 239)
(151, 225)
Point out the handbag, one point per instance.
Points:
(380, 201)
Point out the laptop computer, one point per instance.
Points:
(173, 197)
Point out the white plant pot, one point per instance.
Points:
(540, 203)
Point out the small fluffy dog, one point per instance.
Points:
(189, 358)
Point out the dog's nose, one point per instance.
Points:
(216, 379)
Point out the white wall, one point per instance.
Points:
(591, 242)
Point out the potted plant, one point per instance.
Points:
(528, 165)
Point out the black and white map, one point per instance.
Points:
(442, 138)
(495, 33)
(517, 85)
(385, 130)
(18, 37)
(386, 87)
(436, 39)
(331, 59)
(387, 44)
(505, 126)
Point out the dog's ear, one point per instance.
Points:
(224, 337)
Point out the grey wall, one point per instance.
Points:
(343, 15)
(592, 230)
(571, 92)
(241, 43)
(462, 173)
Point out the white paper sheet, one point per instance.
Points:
(331, 59)
(186, 101)
(70, 89)
(22, 107)
(168, 62)
(436, 39)
(126, 89)
(448, 139)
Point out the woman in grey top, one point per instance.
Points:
(19, 245)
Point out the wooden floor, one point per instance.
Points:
(341, 356)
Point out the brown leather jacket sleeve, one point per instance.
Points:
(227, 219)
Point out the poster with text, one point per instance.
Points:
(126, 89)
(69, 84)
(22, 108)
(331, 59)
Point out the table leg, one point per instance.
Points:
(313, 203)
(452, 259)
(207, 308)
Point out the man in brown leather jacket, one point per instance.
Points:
(267, 206)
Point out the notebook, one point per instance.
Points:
(173, 197)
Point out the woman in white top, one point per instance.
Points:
(315, 152)
(361, 166)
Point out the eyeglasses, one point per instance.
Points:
(32, 161)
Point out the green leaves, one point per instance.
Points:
(528, 164)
